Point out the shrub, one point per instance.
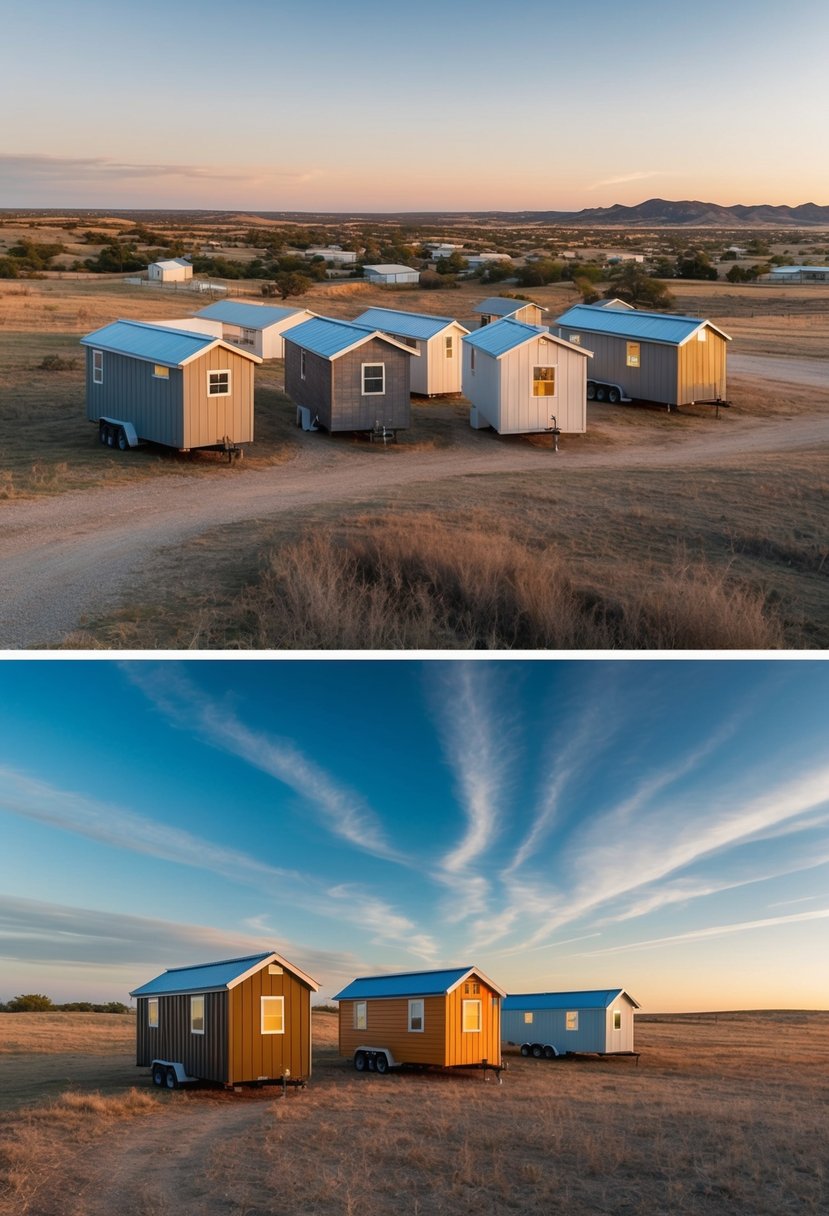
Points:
(55, 363)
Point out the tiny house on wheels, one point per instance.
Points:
(436, 339)
(257, 327)
(175, 387)
(553, 1024)
(495, 308)
(234, 1022)
(448, 1019)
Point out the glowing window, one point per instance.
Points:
(617, 1019)
(273, 1015)
(197, 1015)
(571, 1020)
(544, 382)
(152, 1013)
(632, 354)
(161, 373)
(360, 1018)
(471, 1017)
(528, 1019)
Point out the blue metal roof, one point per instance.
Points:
(599, 998)
(502, 306)
(798, 269)
(329, 338)
(406, 324)
(249, 316)
(405, 983)
(500, 336)
(208, 977)
(644, 326)
(156, 343)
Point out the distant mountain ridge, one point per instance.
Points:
(690, 213)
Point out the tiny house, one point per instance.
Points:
(649, 356)
(559, 1023)
(522, 379)
(170, 386)
(255, 327)
(449, 1018)
(234, 1022)
(437, 341)
(495, 308)
(347, 377)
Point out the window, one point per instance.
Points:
(449, 346)
(360, 1017)
(571, 1020)
(416, 1016)
(472, 359)
(472, 986)
(528, 1018)
(161, 373)
(374, 379)
(702, 335)
(248, 337)
(218, 384)
(575, 339)
(152, 1013)
(302, 364)
(617, 1019)
(273, 1015)
(197, 1015)
(97, 367)
(632, 354)
(471, 1016)
(544, 382)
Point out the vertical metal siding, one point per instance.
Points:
(654, 380)
(315, 391)
(203, 1055)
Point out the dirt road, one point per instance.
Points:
(787, 371)
(65, 557)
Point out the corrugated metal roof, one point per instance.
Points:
(202, 978)
(500, 336)
(407, 324)
(155, 343)
(249, 316)
(329, 338)
(410, 983)
(599, 998)
(798, 269)
(644, 326)
(391, 268)
(172, 262)
(501, 306)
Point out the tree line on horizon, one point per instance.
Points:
(37, 1002)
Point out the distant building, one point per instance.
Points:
(477, 260)
(331, 253)
(175, 270)
(497, 307)
(436, 339)
(390, 273)
(256, 327)
(798, 274)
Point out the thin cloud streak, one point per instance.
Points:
(713, 932)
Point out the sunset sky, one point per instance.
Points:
(432, 106)
(659, 825)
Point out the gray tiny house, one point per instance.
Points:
(174, 387)
(560, 1023)
(347, 377)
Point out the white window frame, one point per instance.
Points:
(152, 1013)
(417, 1009)
(471, 1029)
(303, 364)
(544, 367)
(374, 392)
(360, 1015)
(97, 367)
(449, 346)
(194, 1015)
(617, 1019)
(160, 372)
(633, 359)
(571, 1019)
(218, 371)
(280, 1000)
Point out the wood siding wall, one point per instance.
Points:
(208, 419)
(333, 389)
(702, 369)
(203, 1055)
(253, 1055)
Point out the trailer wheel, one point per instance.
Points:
(550, 1053)
(123, 443)
(111, 436)
(601, 392)
(159, 1075)
(360, 1061)
(525, 1049)
(171, 1079)
(103, 434)
(613, 396)
(537, 1051)
(591, 391)
(382, 1062)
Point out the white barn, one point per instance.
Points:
(557, 1023)
(390, 273)
(255, 327)
(520, 379)
(436, 339)
(174, 270)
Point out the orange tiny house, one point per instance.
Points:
(236, 1021)
(448, 1019)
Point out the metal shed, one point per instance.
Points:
(347, 377)
(600, 1020)
(522, 379)
(389, 272)
(255, 327)
(235, 1021)
(649, 356)
(447, 1018)
(170, 386)
(495, 308)
(436, 339)
(173, 270)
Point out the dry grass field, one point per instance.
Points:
(725, 1115)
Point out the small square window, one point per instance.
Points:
(160, 372)
(218, 384)
(374, 379)
(273, 1015)
(197, 1015)
(575, 339)
(152, 1013)
(360, 1017)
(544, 382)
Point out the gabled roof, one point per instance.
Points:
(615, 302)
(173, 262)
(329, 338)
(217, 977)
(502, 336)
(249, 316)
(600, 998)
(502, 306)
(645, 326)
(157, 343)
(412, 983)
(407, 324)
(391, 268)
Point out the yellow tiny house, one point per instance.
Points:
(448, 1019)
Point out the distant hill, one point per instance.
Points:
(660, 212)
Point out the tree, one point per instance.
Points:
(291, 283)
(632, 283)
(30, 1002)
(695, 266)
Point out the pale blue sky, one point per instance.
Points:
(661, 825)
(367, 106)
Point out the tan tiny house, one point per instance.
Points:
(437, 341)
(236, 1021)
(448, 1019)
(495, 308)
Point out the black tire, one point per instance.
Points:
(123, 442)
(159, 1075)
(360, 1061)
(613, 396)
(382, 1063)
(525, 1049)
(110, 436)
(537, 1052)
(103, 434)
(601, 392)
(591, 391)
(171, 1079)
(549, 1052)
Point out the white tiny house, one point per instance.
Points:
(436, 339)
(561, 1023)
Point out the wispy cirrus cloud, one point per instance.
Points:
(377, 917)
(638, 176)
(714, 931)
(33, 171)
